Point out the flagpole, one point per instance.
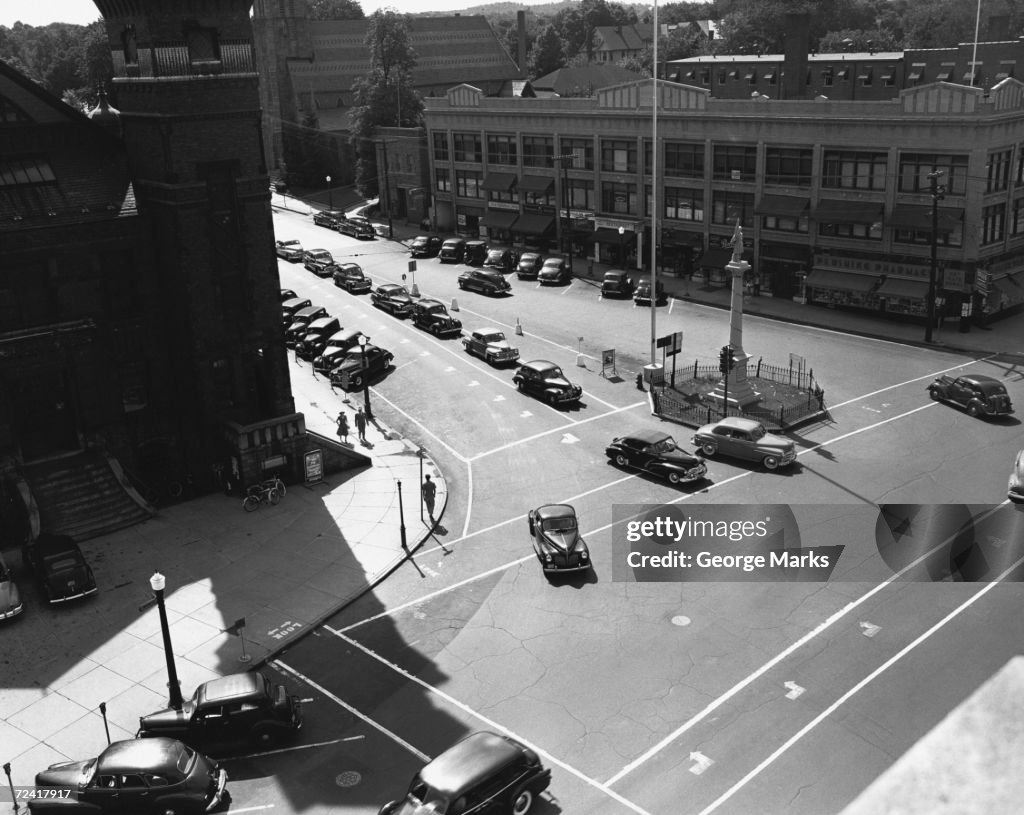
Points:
(654, 197)
(974, 53)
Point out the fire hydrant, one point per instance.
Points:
(640, 381)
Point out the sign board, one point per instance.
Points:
(672, 343)
(796, 361)
(273, 462)
(608, 363)
(412, 266)
(313, 466)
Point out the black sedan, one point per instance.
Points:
(529, 266)
(140, 776)
(60, 568)
(350, 277)
(556, 539)
(328, 218)
(360, 365)
(657, 453)
(425, 246)
(484, 281)
(393, 299)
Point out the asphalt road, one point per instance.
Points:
(662, 698)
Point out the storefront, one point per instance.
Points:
(834, 287)
(497, 222)
(679, 251)
(780, 268)
(711, 265)
(534, 229)
(467, 220)
(615, 244)
(901, 295)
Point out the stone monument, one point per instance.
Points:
(735, 389)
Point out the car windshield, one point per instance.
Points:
(399, 291)
(559, 524)
(183, 761)
(666, 445)
(757, 432)
(438, 309)
(494, 336)
(553, 373)
(63, 563)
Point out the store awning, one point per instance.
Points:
(846, 281)
(605, 235)
(918, 218)
(533, 224)
(499, 182)
(902, 287)
(680, 237)
(499, 218)
(785, 206)
(536, 183)
(717, 257)
(830, 211)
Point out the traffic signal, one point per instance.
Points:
(731, 357)
(726, 359)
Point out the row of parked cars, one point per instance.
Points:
(59, 569)
(355, 226)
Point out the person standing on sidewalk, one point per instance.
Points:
(361, 425)
(343, 426)
(429, 490)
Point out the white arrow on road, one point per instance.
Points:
(869, 629)
(525, 414)
(794, 689)
(569, 438)
(703, 762)
(474, 384)
(499, 398)
(424, 353)
(404, 341)
(449, 369)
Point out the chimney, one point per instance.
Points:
(794, 65)
(521, 40)
(999, 28)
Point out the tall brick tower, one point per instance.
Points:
(187, 89)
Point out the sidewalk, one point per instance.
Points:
(283, 568)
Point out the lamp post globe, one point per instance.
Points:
(622, 234)
(330, 194)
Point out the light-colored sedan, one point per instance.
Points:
(745, 439)
(1015, 489)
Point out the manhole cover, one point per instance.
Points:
(348, 779)
(681, 619)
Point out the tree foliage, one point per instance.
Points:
(548, 53)
(335, 10)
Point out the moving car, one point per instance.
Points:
(490, 345)
(425, 246)
(1015, 489)
(289, 308)
(328, 217)
(483, 773)
(316, 260)
(978, 394)
(556, 539)
(484, 282)
(746, 439)
(433, 316)
(393, 299)
(642, 295)
(300, 319)
(529, 266)
(554, 272)
(452, 250)
(356, 226)
(60, 568)
(290, 251)
(476, 253)
(500, 258)
(315, 337)
(360, 365)
(546, 381)
(243, 707)
(10, 597)
(350, 277)
(656, 452)
(616, 283)
(135, 777)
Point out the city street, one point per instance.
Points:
(659, 698)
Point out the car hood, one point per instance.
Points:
(162, 719)
(679, 457)
(501, 345)
(547, 271)
(10, 599)
(69, 774)
(771, 440)
(351, 364)
(558, 382)
(563, 541)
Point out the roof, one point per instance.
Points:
(742, 59)
(648, 436)
(550, 511)
(738, 422)
(467, 763)
(622, 37)
(584, 80)
(139, 754)
(230, 687)
(539, 364)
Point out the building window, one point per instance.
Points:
(781, 223)
(202, 45)
(618, 156)
(507, 196)
(440, 141)
(538, 151)
(1017, 217)
(993, 224)
(954, 239)
(684, 205)
(1020, 164)
(999, 170)
(865, 77)
(467, 147)
(847, 169)
(618, 198)
(583, 149)
(443, 179)
(827, 77)
(502, 150)
(735, 162)
(26, 171)
(469, 184)
(915, 167)
(862, 232)
(789, 166)
(728, 206)
(684, 160)
(581, 195)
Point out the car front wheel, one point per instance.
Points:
(621, 460)
(934, 394)
(522, 802)
(674, 478)
(973, 410)
(708, 449)
(770, 462)
(265, 736)
(357, 382)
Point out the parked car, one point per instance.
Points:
(529, 265)
(350, 277)
(656, 452)
(302, 318)
(393, 299)
(243, 707)
(433, 316)
(490, 345)
(483, 281)
(556, 539)
(476, 253)
(290, 307)
(425, 246)
(315, 337)
(60, 568)
(327, 217)
(135, 777)
(360, 365)
(10, 597)
(290, 251)
(452, 250)
(642, 295)
(546, 381)
(483, 773)
(746, 439)
(554, 272)
(316, 260)
(1015, 488)
(500, 258)
(617, 283)
(287, 294)
(356, 226)
(338, 345)
(978, 394)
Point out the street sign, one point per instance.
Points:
(672, 343)
(313, 466)
(608, 363)
(412, 266)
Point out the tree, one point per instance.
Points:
(548, 53)
(335, 10)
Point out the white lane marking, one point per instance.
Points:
(420, 425)
(473, 384)
(569, 438)
(469, 498)
(702, 762)
(869, 629)
(599, 399)
(449, 369)
(498, 398)
(525, 414)
(288, 750)
(257, 808)
(867, 680)
(671, 304)
(563, 291)
(380, 728)
(491, 321)
(491, 723)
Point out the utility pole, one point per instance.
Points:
(938, 193)
(564, 239)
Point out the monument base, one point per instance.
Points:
(740, 393)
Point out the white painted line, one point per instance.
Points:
(258, 808)
(422, 427)
(563, 291)
(609, 405)
(469, 497)
(867, 680)
(491, 321)
(380, 728)
(492, 724)
(288, 749)
(795, 690)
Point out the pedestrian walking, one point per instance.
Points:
(429, 490)
(343, 426)
(361, 425)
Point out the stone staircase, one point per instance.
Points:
(83, 496)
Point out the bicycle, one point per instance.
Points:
(259, 494)
(275, 482)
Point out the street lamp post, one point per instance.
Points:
(363, 339)
(937, 193)
(566, 242)
(401, 518)
(330, 194)
(622, 233)
(157, 582)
